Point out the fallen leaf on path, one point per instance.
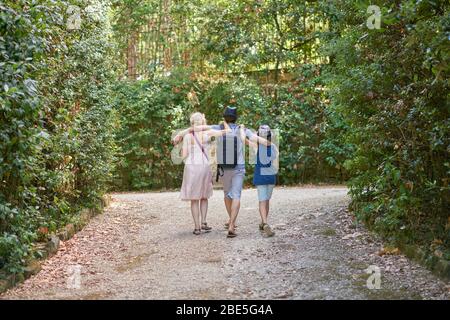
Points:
(388, 251)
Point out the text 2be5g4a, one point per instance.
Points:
(246, 309)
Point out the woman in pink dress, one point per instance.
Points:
(197, 184)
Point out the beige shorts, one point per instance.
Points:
(233, 181)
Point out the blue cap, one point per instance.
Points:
(230, 112)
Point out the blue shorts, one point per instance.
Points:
(265, 192)
(233, 180)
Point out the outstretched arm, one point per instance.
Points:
(252, 138)
(180, 135)
(216, 133)
(259, 140)
(251, 144)
(185, 151)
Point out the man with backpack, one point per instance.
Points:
(231, 161)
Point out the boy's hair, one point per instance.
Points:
(265, 132)
(229, 119)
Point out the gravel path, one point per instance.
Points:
(142, 247)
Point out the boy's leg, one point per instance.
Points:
(264, 195)
(268, 197)
(263, 210)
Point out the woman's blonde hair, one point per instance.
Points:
(197, 119)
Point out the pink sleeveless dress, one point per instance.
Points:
(197, 176)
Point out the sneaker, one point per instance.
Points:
(268, 230)
(261, 226)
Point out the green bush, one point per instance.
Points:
(312, 144)
(57, 146)
(149, 112)
(391, 87)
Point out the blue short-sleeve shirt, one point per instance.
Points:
(265, 172)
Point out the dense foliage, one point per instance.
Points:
(56, 148)
(391, 87)
(312, 148)
(149, 112)
(94, 106)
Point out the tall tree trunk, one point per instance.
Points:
(167, 36)
(132, 56)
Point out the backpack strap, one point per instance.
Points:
(201, 146)
(224, 162)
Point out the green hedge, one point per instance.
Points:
(56, 142)
(391, 87)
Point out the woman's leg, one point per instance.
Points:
(195, 209)
(204, 209)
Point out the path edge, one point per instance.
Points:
(49, 248)
(438, 266)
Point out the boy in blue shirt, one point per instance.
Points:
(265, 175)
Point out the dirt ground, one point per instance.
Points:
(142, 247)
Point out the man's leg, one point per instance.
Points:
(227, 180)
(235, 194)
(228, 203)
(235, 206)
